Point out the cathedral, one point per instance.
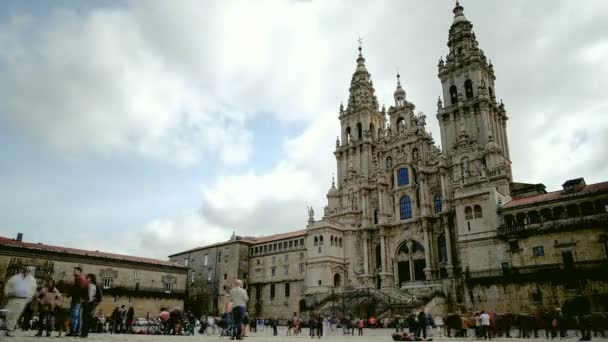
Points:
(409, 221)
(407, 210)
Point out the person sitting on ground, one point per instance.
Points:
(403, 336)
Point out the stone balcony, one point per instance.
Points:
(589, 269)
(581, 222)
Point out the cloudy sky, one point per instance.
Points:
(148, 127)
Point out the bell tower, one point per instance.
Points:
(472, 123)
(361, 125)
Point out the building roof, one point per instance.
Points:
(81, 252)
(556, 195)
(250, 240)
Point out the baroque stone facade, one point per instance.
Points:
(407, 219)
(142, 283)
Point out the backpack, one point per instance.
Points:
(98, 295)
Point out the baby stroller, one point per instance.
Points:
(225, 325)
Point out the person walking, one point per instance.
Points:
(88, 306)
(360, 326)
(47, 299)
(130, 315)
(239, 300)
(19, 290)
(485, 325)
(79, 292)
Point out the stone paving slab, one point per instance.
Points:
(370, 335)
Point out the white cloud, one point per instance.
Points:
(178, 81)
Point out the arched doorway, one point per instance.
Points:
(410, 262)
(302, 305)
(337, 280)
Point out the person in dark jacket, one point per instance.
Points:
(421, 331)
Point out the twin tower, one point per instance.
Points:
(408, 208)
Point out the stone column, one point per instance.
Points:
(340, 158)
(427, 251)
(444, 191)
(505, 137)
(449, 267)
(383, 253)
(365, 255)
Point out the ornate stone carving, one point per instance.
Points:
(358, 266)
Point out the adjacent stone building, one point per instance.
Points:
(408, 221)
(142, 283)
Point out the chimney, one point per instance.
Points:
(19, 237)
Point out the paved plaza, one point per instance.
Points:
(375, 335)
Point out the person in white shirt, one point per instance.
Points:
(19, 290)
(239, 299)
(485, 325)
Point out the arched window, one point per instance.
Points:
(464, 167)
(478, 213)
(331, 240)
(321, 240)
(405, 207)
(316, 241)
(371, 129)
(403, 177)
(400, 123)
(437, 202)
(468, 88)
(454, 94)
(376, 216)
(389, 163)
(442, 248)
(359, 130)
(468, 213)
(337, 280)
(349, 138)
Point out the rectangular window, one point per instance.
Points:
(301, 242)
(538, 251)
(301, 268)
(225, 276)
(167, 287)
(274, 247)
(209, 278)
(403, 177)
(290, 244)
(206, 259)
(271, 291)
(514, 246)
(286, 269)
(287, 290)
(301, 256)
(273, 271)
(192, 277)
(107, 282)
(186, 262)
(135, 275)
(295, 243)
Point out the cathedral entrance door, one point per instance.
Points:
(419, 266)
(403, 267)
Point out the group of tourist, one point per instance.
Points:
(21, 290)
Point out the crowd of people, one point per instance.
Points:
(73, 314)
(21, 290)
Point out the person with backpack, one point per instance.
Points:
(88, 305)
